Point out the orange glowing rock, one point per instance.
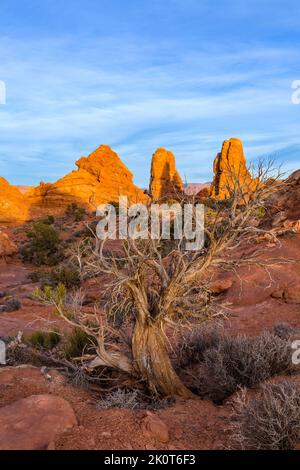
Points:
(13, 206)
(231, 171)
(100, 178)
(165, 182)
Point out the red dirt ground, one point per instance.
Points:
(256, 301)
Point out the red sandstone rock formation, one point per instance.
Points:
(284, 204)
(165, 182)
(7, 247)
(203, 194)
(100, 178)
(32, 423)
(13, 207)
(230, 169)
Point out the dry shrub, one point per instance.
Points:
(77, 344)
(270, 422)
(10, 304)
(133, 400)
(223, 363)
(285, 331)
(78, 378)
(120, 399)
(19, 354)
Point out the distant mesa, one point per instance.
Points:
(23, 189)
(192, 189)
(230, 170)
(165, 181)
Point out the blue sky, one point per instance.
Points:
(140, 74)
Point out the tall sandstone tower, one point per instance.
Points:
(165, 181)
(230, 170)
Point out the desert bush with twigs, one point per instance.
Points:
(269, 422)
(222, 363)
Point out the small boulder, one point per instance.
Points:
(153, 427)
(220, 285)
(292, 294)
(33, 423)
(293, 225)
(7, 247)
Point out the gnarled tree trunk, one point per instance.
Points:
(152, 362)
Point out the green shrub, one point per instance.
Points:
(78, 342)
(67, 275)
(49, 220)
(88, 231)
(43, 247)
(75, 212)
(43, 339)
(64, 274)
(261, 212)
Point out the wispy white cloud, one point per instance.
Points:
(63, 103)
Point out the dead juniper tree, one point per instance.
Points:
(160, 284)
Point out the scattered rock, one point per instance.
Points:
(292, 295)
(155, 428)
(7, 246)
(284, 204)
(32, 423)
(278, 294)
(220, 285)
(293, 225)
(203, 194)
(51, 446)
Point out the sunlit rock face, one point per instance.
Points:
(165, 181)
(7, 246)
(284, 204)
(13, 206)
(230, 170)
(100, 178)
